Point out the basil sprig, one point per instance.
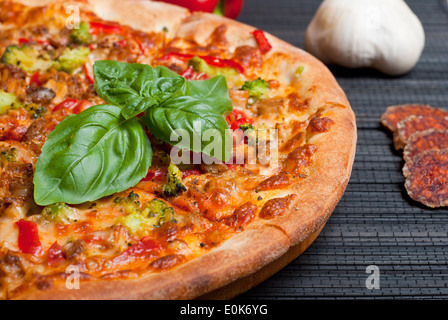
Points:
(104, 149)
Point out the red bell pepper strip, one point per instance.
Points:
(237, 118)
(192, 172)
(190, 74)
(99, 28)
(213, 61)
(156, 175)
(67, 104)
(144, 248)
(55, 255)
(263, 43)
(194, 5)
(88, 72)
(35, 79)
(25, 40)
(29, 237)
(73, 105)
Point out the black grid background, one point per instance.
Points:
(375, 223)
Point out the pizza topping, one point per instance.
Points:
(166, 262)
(191, 74)
(242, 215)
(427, 178)
(145, 249)
(248, 56)
(256, 88)
(39, 95)
(99, 28)
(300, 159)
(60, 212)
(26, 58)
(263, 42)
(277, 207)
(55, 255)
(423, 141)
(174, 185)
(278, 181)
(238, 118)
(70, 105)
(82, 34)
(201, 66)
(319, 125)
(152, 215)
(29, 241)
(212, 61)
(8, 101)
(72, 59)
(97, 132)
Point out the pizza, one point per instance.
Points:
(101, 195)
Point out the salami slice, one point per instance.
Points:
(427, 178)
(423, 141)
(395, 114)
(407, 127)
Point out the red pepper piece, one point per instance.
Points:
(192, 172)
(99, 28)
(25, 40)
(213, 61)
(145, 248)
(29, 237)
(74, 106)
(237, 118)
(190, 74)
(156, 175)
(35, 79)
(55, 255)
(263, 42)
(88, 72)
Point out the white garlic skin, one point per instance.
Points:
(381, 34)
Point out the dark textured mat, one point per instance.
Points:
(375, 223)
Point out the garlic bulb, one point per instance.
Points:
(381, 34)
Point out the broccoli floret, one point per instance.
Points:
(129, 203)
(8, 156)
(135, 223)
(59, 212)
(26, 58)
(256, 88)
(8, 101)
(174, 185)
(72, 59)
(254, 135)
(82, 34)
(158, 212)
(199, 65)
(154, 214)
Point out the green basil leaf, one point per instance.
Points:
(213, 92)
(135, 87)
(91, 155)
(183, 121)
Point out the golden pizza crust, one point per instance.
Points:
(248, 251)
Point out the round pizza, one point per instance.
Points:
(150, 152)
